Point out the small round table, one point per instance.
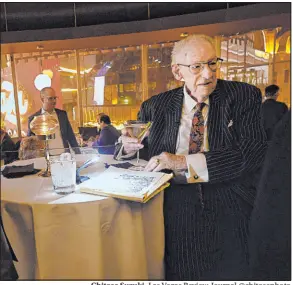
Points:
(81, 236)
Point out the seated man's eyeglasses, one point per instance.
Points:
(198, 67)
(52, 98)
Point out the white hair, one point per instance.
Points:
(181, 45)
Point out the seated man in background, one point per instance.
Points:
(108, 136)
(272, 111)
(31, 147)
(98, 120)
(8, 148)
(64, 134)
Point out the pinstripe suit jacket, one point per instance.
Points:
(236, 136)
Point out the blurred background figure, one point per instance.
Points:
(8, 148)
(98, 120)
(272, 111)
(79, 139)
(64, 135)
(87, 140)
(87, 135)
(270, 229)
(108, 136)
(90, 141)
(31, 147)
(7, 269)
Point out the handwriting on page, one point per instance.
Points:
(125, 182)
(135, 183)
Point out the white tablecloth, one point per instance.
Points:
(99, 238)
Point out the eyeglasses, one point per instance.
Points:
(196, 68)
(52, 98)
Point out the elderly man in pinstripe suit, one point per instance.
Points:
(209, 133)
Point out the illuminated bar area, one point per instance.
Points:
(116, 80)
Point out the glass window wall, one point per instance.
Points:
(8, 110)
(282, 66)
(160, 76)
(111, 83)
(38, 70)
(260, 58)
(115, 81)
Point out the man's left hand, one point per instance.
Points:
(166, 160)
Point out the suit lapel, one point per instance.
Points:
(62, 129)
(216, 117)
(38, 113)
(60, 119)
(172, 120)
(59, 116)
(172, 117)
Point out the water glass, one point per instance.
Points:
(63, 173)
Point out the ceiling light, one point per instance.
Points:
(68, 90)
(48, 72)
(42, 81)
(184, 35)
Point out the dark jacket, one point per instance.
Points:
(107, 139)
(7, 271)
(208, 240)
(67, 133)
(272, 113)
(270, 231)
(235, 133)
(8, 150)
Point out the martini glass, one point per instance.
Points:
(139, 130)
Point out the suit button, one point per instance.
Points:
(195, 177)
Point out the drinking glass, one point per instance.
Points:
(63, 172)
(138, 129)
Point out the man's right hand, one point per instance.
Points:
(130, 143)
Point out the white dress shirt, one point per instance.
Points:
(55, 145)
(197, 170)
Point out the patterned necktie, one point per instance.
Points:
(197, 130)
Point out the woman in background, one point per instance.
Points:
(8, 148)
(31, 147)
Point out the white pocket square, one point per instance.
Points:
(230, 124)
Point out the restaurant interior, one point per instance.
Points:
(109, 58)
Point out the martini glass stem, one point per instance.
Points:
(47, 156)
(137, 157)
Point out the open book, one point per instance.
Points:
(139, 186)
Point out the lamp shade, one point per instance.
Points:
(42, 81)
(44, 125)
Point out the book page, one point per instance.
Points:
(124, 182)
(77, 198)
